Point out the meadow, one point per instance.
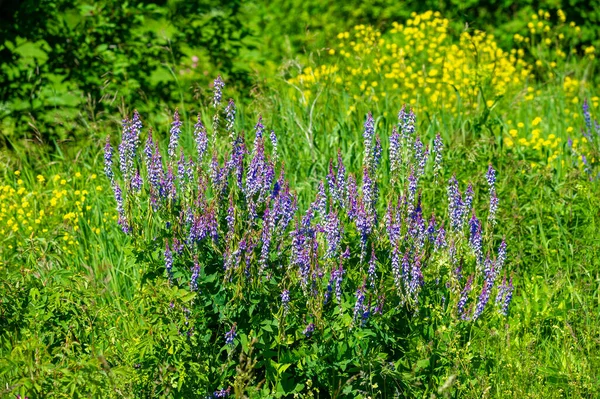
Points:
(403, 208)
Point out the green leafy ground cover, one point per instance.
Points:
(88, 311)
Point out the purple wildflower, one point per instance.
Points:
(168, 260)
(416, 278)
(392, 224)
(368, 134)
(352, 198)
(438, 148)
(309, 330)
(333, 234)
(501, 256)
(230, 116)
(358, 306)
(464, 297)
(431, 229)
(320, 204)
(259, 131)
(268, 225)
(395, 155)
(455, 205)
(491, 178)
(201, 139)
(507, 297)
(468, 202)
(413, 181)
(222, 393)
(155, 169)
(420, 154)
(475, 239)
(218, 86)
(337, 277)
(273, 138)
(137, 182)
(406, 121)
(377, 151)
(372, 268)
(440, 241)
(397, 273)
(195, 274)
(493, 208)
(230, 336)
(108, 161)
(174, 135)
(285, 300)
(587, 118)
(484, 297)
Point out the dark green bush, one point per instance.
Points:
(66, 64)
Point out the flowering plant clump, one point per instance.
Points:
(227, 226)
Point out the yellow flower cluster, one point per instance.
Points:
(48, 207)
(549, 43)
(422, 64)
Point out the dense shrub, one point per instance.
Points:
(65, 65)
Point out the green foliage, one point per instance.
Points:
(63, 75)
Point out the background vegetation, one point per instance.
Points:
(82, 315)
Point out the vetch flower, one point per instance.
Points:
(108, 162)
(195, 274)
(230, 116)
(218, 86)
(230, 336)
(201, 139)
(174, 135)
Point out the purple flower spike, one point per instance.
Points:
(368, 134)
(395, 152)
(372, 268)
(406, 122)
(333, 234)
(137, 182)
(397, 273)
(360, 300)
(501, 256)
(377, 151)
(259, 130)
(174, 137)
(195, 274)
(420, 154)
(108, 161)
(337, 277)
(484, 297)
(309, 330)
(475, 239)
(491, 178)
(201, 139)
(218, 86)
(285, 300)
(230, 115)
(230, 336)
(464, 297)
(222, 393)
(493, 208)
(168, 260)
(438, 148)
(507, 297)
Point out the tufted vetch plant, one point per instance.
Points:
(222, 221)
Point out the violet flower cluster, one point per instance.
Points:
(229, 210)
